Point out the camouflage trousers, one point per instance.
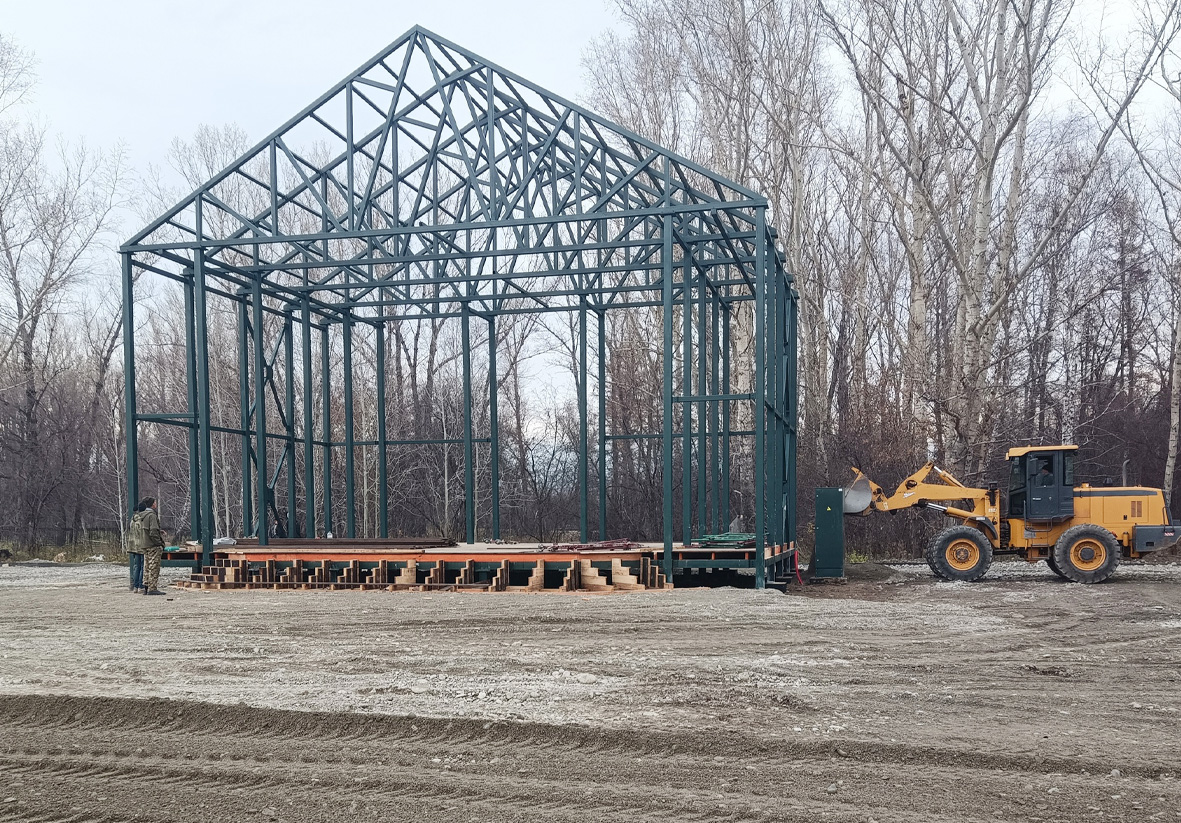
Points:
(152, 558)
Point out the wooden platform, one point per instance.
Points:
(405, 565)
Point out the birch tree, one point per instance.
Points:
(977, 72)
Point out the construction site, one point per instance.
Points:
(330, 658)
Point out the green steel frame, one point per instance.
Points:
(456, 189)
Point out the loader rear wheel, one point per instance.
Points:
(1087, 554)
(959, 553)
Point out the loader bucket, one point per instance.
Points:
(858, 497)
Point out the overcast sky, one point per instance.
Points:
(146, 71)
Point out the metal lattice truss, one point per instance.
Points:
(433, 184)
(430, 176)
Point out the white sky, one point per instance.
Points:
(146, 71)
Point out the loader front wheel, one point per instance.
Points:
(959, 553)
(1087, 554)
(1053, 564)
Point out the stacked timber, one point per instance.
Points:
(426, 571)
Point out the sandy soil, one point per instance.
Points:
(891, 698)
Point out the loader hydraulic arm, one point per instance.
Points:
(864, 496)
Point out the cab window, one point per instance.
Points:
(1016, 475)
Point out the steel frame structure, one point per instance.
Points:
(444, 186)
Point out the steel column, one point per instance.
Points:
(687, 405)
(350, 490)
(771, 363)
(667, 304)
(702, 391)
(493, 427)
(583, 474)
(725, 512)
(791, 516)
(714, 410)
(204, 432)
(129, 407)
(309, 463)
(191, 392)
(248, 527)
(383, 520)
(289, 413)
(760, 400)
(260, 415)
(326, 391)
(602, 328)
(469, 474)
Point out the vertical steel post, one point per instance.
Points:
(260, 412)
(725, 513)
(583, 473)
(702, 391)
(779, 463)
(687, 403)
(771, 387)
(204, 430)
(493, 426)
(469, 475)
(129, 408)
(191, 391)
(714, 411)
(602, 425)
(383, 516)
(326, 426)
(760, 332)
(309, 463)
(667, 302)
(289, 413)
(245, 421)
(350, 491)
(791, 514)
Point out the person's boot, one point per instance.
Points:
(153, 591)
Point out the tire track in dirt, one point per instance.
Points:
(545, 799)
(185, 718)
(324, 763)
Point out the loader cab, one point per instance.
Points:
(1041, 482)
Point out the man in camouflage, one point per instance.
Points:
(146, 538)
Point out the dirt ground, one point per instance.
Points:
(891, 698)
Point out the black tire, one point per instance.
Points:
(1053, 564)
(1087, 554)
(959, 553)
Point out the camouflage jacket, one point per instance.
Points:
(145, 531)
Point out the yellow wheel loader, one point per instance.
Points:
(1080, 531)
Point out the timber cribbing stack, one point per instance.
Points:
(418, 565)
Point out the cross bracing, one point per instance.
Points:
(433, 184)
